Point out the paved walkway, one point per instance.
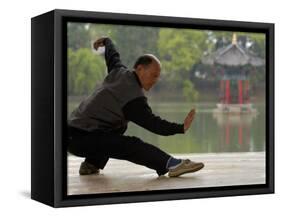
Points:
(222, 169)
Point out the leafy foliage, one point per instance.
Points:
(179, 50)
(189, 91)
(85, 71)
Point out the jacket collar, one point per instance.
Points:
(137, 78)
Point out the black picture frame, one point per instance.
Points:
(49, 104)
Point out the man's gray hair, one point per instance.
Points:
(143, 60)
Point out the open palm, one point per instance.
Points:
(188, 120)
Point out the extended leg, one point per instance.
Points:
(112, 145)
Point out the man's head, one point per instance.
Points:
(148, 69)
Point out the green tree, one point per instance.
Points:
(134, 41)
(99, 30)
(258, 44)
(180, 49)
(78, 35)
(85, 71)
(189, 91)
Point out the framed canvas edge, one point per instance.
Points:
(61, 200)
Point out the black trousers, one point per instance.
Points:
(98, 146)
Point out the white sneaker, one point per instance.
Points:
(186, 166)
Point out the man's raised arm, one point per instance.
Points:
(112, 57)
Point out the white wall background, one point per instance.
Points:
(15, 106)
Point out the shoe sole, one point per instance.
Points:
(183, 171)
(88, 173)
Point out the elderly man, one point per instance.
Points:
(97, 125)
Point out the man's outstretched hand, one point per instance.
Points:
(188, 120)
(99, 42)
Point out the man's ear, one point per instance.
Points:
(140, 67)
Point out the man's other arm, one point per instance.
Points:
(139, 112)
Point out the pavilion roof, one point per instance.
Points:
(232, 55)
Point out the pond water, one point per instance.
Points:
(209, 133)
